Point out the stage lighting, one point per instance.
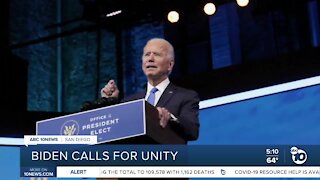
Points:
(209, 8)
(242, 3)
(113, 13)
(173, 16)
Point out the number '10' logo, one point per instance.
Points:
(299, 156)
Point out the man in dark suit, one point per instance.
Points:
(177, 106)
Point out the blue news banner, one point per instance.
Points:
(42, 160)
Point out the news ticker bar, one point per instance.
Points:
(188, 172)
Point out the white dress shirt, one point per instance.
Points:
(161, 87)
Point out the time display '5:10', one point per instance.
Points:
(272, 151)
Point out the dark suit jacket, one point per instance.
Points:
(182, 103)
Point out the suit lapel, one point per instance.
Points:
(168, 92)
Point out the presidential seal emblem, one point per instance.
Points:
(70, 127)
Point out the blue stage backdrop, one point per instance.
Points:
(290, 117)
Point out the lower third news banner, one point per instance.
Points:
(170, 161)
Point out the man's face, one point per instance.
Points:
(155, 60)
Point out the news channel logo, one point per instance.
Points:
(298, 156)
(70, 127)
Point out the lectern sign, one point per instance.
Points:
(108, 123)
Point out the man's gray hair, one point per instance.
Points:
(168, 45)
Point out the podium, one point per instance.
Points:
(134, 122)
